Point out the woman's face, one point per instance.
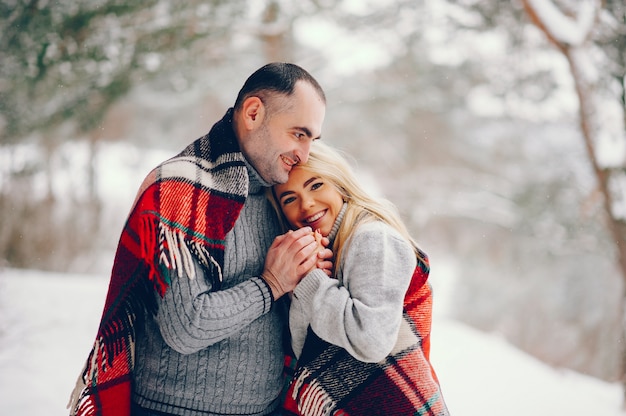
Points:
(308, 200)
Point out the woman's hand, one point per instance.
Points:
(325, 255)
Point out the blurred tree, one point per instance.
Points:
(570, 28)
(610, 35)
(70, 60)
(64, 64)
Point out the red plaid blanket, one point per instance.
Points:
(329, 381)
(184, 208)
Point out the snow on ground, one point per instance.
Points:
(48, 322)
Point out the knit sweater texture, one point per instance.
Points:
(363, 338)
(188, 327)
(361, 309)
(217, 352)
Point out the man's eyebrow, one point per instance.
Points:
(305, 130)
(308, 133)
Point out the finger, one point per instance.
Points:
(290, 237)
(301, 232)
(304, 246)
(278, 239)
(298, 239)
(325, 254)
(307, 255)
(308, 251)
(325, 265)
(306, 265)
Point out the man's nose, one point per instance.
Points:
(302, 153)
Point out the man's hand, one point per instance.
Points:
(290, 257)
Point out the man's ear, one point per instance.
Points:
(253, 112)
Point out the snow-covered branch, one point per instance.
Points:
(561, 28)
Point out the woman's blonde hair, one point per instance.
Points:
(331, 166)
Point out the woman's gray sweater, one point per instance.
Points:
(361, 309)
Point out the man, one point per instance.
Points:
(190, 324)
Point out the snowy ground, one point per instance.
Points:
(48, 322)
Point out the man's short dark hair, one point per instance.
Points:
(275, 77)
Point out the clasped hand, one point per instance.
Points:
(291, 256)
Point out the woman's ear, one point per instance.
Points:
(253, 112)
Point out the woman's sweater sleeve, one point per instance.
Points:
(362, 310)
(191, 316)
(300, 310)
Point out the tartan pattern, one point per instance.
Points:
(329, 381)
(185, 207)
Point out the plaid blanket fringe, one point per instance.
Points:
(184, 209)
(329, 381)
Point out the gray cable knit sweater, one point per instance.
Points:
(217, 352)
(360, 309)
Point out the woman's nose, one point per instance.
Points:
(307, 202)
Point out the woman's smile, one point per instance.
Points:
(308, 200)
(313, 218)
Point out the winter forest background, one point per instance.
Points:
(497, 128)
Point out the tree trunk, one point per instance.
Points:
(617, 228)
(589, 129)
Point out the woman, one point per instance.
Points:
(362, 338)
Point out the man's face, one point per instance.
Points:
(285, 139)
